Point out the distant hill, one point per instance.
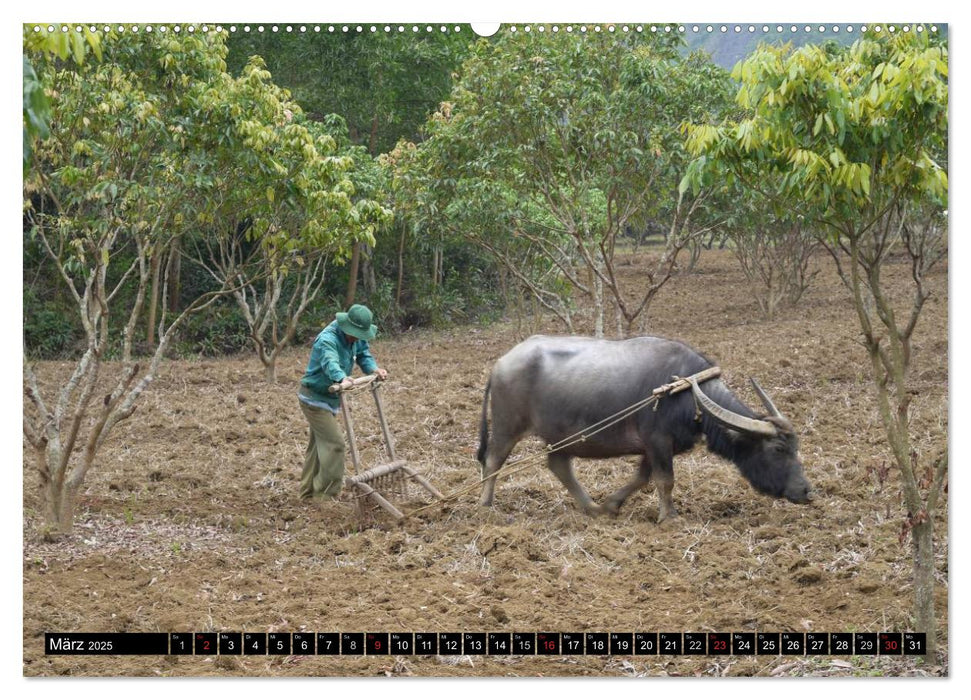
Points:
(728, 48)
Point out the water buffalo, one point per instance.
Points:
(554, 387)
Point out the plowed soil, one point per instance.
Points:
(190, 521)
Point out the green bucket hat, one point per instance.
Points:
(357, 322)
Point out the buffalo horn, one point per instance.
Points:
(729, 418)
(766, 401)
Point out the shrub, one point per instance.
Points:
(220, 330)
(49, 331)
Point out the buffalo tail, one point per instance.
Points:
(484, 426)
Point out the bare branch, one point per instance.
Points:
(108, 417)
(515, 268)
(940, 471)
(45, 419)
(139, 302)
(560, 258)
(58, 263)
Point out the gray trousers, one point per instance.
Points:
(323, 465)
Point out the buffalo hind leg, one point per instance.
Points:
(641, 479)
(561, 466)
(496, 455)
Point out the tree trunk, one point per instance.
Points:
(370, 281)
(926, 621)
(153, 303)
(352, 276)
(695, 254)
(373, 140)
(893, 366)
(401, 268)
(269, 369)
(642, 324)
(175, 277)
(59, 501)
(598, 306)
(436, 266)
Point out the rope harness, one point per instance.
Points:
(677, 384)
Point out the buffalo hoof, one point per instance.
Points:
(593, 509)
(668, 514)
(611, 508)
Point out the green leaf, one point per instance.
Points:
(77, 47)
(865, 178)
(684, 184)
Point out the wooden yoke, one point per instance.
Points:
(682, 383)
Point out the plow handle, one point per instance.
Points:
(355, 383)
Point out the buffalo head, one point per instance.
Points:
(766, 449)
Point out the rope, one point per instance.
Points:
(523, 463)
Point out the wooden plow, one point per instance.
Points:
(373, 487)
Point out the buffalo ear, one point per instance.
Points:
(782, 423)
(734, 436)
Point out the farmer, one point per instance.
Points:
(331, 361)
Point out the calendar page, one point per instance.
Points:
(448, 349)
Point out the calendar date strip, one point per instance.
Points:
(485, 643)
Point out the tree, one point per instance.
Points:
(287, 208)
(774, 246)
(854, 139)
(51, 40)
(439, 277)
(558, 142)
(384, 85)
(775, 255)
(130, 167)
(433, 207)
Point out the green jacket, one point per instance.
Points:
(332, 359)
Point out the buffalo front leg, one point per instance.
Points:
(560, 465)
(641, 479)
(665, 485)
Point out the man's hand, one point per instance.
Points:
(382, 373)
(346, 383)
